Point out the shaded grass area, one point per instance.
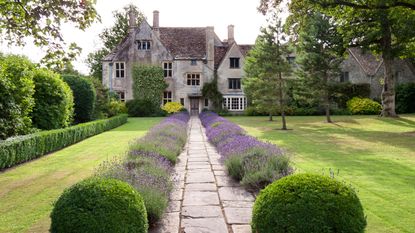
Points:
(375, 155)
(28, 191)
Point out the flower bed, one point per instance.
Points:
(252, 162)
(149, 162)
(24, 148)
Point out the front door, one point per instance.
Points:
(194, 106)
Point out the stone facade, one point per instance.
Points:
(364, 67)
(195, 54)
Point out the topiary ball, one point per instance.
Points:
(307, 203)
(99, 205)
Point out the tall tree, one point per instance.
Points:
(265, 67)
(42, 21)
(383, 26)
(111, 37)
(320, 50)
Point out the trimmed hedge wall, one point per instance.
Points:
(23, 148)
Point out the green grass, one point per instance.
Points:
(375, 155)
(28, 191)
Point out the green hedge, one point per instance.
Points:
(23, 148)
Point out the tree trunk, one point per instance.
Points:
(281, 96)
(388, 91)
(270, 116)
(327, 99)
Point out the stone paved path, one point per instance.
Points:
(205, 199)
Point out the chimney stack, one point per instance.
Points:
(156, 24)
(231, 36)
(132, 19)
(210, 46)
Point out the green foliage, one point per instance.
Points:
(342, 92)
(172, 107)
(405, 98)
(84, 97)
(102, 100)
(308, 203)
(99, 205)
(53, 101)
(141, 108)
(111, 37)
(16, 92)
(148, 83)
(23, 148)
(363, 106)
(116, 107)
(210, 91)
(42, 21)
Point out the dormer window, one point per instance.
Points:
(143, 44)
(193, 62)
(234, 63)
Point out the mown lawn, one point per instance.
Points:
(375, 155)
(28, 191)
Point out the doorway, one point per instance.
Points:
(194, 106)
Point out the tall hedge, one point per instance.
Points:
(16, 91)
(53, 101)
(148, 83)
(23, 148)
(405, 98)
(84, 97)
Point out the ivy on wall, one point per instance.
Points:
(210, 91)
(148, 83)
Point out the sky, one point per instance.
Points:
(179, 13)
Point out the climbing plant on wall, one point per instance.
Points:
(148, 83)
(210, 91)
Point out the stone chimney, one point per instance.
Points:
(210, 46)
(132, 20)
(156, 22)
(231, 36)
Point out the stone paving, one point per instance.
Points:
(204, 198)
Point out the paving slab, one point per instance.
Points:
(238, 215)
(200, 198)
(204, 225)
(202, 212)
(234, 194)
(241, 229)
(200, 177)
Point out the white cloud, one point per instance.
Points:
(178, 13)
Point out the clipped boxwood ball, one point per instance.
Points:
(307, 203)
(99, 205)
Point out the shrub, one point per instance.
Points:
(99, 205)
(363, 106)
(16, 91)
(172, 107)
(102, 100)
(84, 97)
(23, 148)
(116, 107)
(343, 92)
(53, 101)
(308, 203)
(142, 108)
(405, 98)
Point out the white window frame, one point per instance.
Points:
(119, 70)
(234, 103)
(232, 83)
(167, 97)
(143, 44)
(168, 69)
(193, 79)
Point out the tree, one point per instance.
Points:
(320, 50)
(53, 101)
(111, 37)
(383, 26)
(42, 21)
(264, 67)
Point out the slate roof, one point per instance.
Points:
(245, 48)
(184, 42)
(369, 62)
(220, 52)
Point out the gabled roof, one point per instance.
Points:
(184, 42)
(221, 51)
(244, 48)
(367, 61)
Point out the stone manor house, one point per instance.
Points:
(191, 55)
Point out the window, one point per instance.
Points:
(167, 97)
(344, 77)
(144, 44)
(182, 101)
(193, 62)
(234, 103)
(206, 102)
(291, 60)
(234, 63)
(119, 69)
(234, 83)
(193, 79)
(121, 95)
(168, 69)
